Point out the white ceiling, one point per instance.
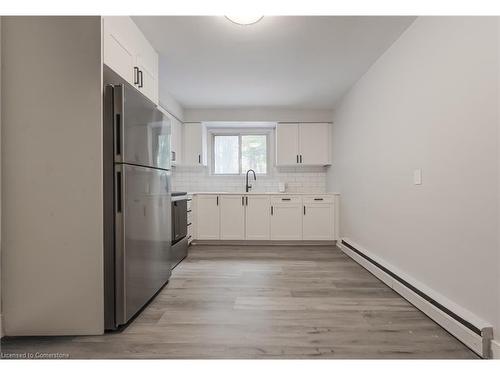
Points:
(287, 62)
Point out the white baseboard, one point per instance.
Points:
(480, 344)
(495, 349)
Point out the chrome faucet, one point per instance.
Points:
(248, 187)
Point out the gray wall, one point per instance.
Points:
(52, 270)
(431, 102)
(1, 318)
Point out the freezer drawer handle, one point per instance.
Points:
(118, 191)
(286, 199)
(318, 199)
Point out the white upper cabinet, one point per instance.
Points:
(232, 217)
(176, 141)
(175, 136)
(287, 144)
(303, 144)
(194, 144)
(314, 141)
(129, 54)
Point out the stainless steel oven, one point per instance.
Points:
(179, 227)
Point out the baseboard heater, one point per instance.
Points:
(477, 338)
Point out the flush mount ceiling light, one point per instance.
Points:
(244, 20)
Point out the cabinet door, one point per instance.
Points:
(232, 217)
(318, 221)
(287, 144)
(193, 144)
(119, 52)
(286, 218)
(146, 84)
(207, 217)
(314, 140)
(147, 61)
(258, 217)
(176, 141)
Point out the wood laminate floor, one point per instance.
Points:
(266, 302)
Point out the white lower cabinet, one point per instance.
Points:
(232, 217)
(207, 217)
(318, 218)
(286, 218)
(257, 217)
(264, 217)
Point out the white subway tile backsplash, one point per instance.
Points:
(297, 179)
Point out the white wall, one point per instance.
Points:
(168, 102)
(431, 102)
(258, 114)
(52, 266)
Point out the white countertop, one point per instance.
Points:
(254, 193)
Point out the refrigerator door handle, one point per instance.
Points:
(119, 248)
(118, 122)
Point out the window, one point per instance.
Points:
(236, 153)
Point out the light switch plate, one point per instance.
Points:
(417, 177)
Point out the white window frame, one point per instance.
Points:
(239, 132)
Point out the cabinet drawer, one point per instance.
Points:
(286, 199)
(318, 199)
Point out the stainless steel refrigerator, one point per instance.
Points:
(137, 200)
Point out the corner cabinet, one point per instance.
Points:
(303, 144)
(130, 55)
